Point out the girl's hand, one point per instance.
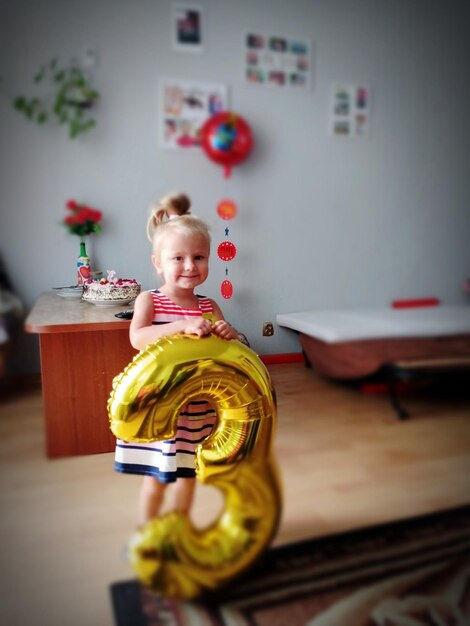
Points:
(199, 326)
(224, 330)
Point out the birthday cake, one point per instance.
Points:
(111, 289)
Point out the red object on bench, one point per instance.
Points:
(410, 304)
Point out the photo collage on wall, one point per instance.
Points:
(274, 61)
(350, 110)
(185, 106)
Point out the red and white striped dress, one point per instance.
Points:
(172, 458)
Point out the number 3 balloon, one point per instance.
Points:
(226, 139)
(169, 554)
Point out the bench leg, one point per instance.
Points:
(399, 410)
(306, 360)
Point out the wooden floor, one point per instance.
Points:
(346, 462)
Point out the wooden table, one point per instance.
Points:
(83, 347)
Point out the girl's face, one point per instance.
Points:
(183, 260)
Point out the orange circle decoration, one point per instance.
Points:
(226, 289)
(226, 251)
(227, 209)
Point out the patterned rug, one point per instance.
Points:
(410, 573)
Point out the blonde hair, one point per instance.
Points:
(171, 214)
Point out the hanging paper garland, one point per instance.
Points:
(226, 138)
(226, 210)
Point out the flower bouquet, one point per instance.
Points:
(82, 219)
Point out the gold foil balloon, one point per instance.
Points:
(169, 554)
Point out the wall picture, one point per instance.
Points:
(349, 110)
(184, 107)
(187, 33)
(277, 61)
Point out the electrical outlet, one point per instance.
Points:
(268, 329)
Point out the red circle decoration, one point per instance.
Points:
(226, 289)
(226, 251)
(226, 139)
(227, 209)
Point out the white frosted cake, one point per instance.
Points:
(112, 288)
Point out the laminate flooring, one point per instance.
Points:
(346, 462)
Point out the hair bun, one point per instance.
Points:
(176, 204)
(173, 205)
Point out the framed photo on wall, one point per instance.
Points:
(184, 107)
(186, 25)
(277, 61)
(350, 110)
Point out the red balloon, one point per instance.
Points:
(226, 139)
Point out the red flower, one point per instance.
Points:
(95, 215)
(84, 219)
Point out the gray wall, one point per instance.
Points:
(323, 223)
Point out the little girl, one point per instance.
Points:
(181, 246)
